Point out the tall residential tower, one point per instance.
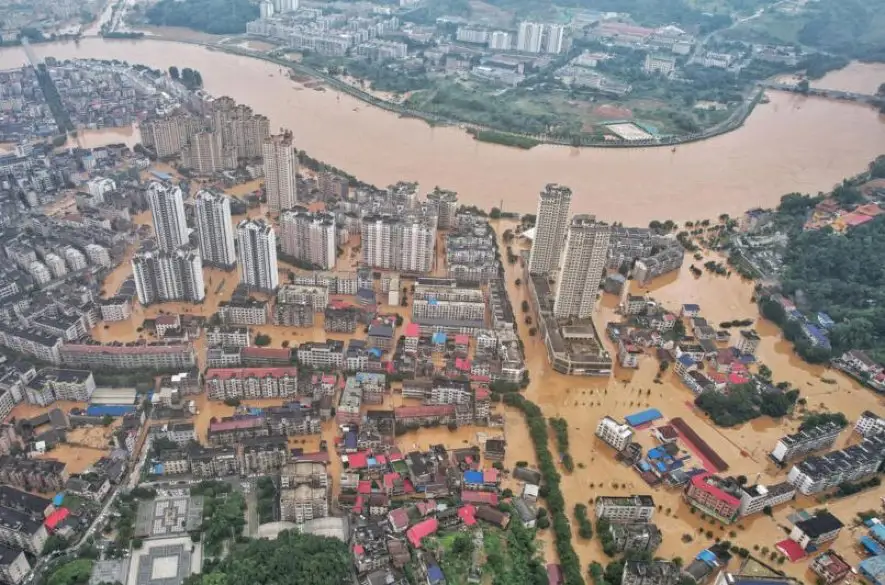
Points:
(167, 208)
(582, 267)
(258, 255)
(214, 230)
(280, 172)
(308, 237)
(168, 275)
(550, 228)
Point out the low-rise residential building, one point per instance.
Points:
(633, 537)
(53, 384)
(231, 336)
(756, 498)
(243, 311)
(118, 308)
(40, 475)
(625, 508)
(14, 565)
(32, 342)
(251, 383)
(803, 442)
(830, 566)
(416, 416)
(615, 434)
(869, 424)
(23, 531)
(263, 454)
(854, 463)
(747, 341)
(813, 532)
(322, 355)
(137, 356)
(651, 573)
(714, 496)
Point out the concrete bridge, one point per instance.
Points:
(833, 94)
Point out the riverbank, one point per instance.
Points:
(497, 135)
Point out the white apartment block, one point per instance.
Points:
(162, 276)
(555, 39)
(583, 266)
(755, 498)
(169, 134)
(550, 228)
(293, 294)
(75, 259)
(528, 39)
(615, 434)
(446, 205)
(869, 424)
(396, 243)
(97, 188)
(309, 237)
(115, 309)
(258, 255)
(280, 172)
(228, 336)
(215, 232)
(625, 508)
(251, 383)
(500, 41)
(803, 442)
(39, 272)
(55, 264)
(98, 255)
(240, 128)
(205, 154)
(167, 208)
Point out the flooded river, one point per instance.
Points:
(791, 144)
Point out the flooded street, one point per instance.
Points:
(791, 144)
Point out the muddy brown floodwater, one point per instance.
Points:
(583, 401)
(791, 144)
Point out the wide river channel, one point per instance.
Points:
(792, 143)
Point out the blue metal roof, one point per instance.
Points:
(643, 417)
(873, 547)
(686, 360)
(439, 337)
(473, 477)
(434, 574)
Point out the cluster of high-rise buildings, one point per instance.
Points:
(228, 133)
(173, 269)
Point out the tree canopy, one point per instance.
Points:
(843, 275)
(220, 17)
(291, 558)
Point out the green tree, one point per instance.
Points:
(174, 73)
(262, 340)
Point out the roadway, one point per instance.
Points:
(131, 481)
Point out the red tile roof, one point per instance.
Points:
(398, 518)
(412, 330)
(422, 529)
(475, 497)
(390, 478)
(56, 518)
(700, 482)
(364, 487)
(490, 475)
(483, 393)
(462, 339)
(357, 460)
(242, 373)
(467, 514)
(230, 424)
